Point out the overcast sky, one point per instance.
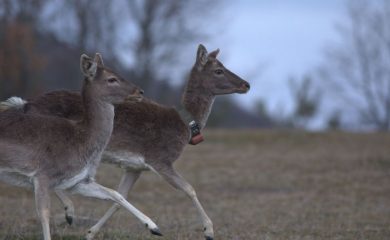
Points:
(266, 42)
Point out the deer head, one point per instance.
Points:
(213, 77)
(106, 84)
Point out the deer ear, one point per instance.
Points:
(201, 57)
(99, 60)
(88, 66)
(213, 54)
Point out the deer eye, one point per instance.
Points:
(218, 71)
(112, 80)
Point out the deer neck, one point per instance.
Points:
(98, 123)
(198, 104)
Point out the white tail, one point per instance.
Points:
(12, 102)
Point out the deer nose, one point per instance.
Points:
(247, 85)
(140, 91)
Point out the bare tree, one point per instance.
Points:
(357, 70)
(306, 99)
(20, 61)
(163, 29)
(334, 121)
(93, 24)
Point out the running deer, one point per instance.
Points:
(149, 136)
(48, 153)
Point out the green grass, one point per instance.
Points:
(253, 185)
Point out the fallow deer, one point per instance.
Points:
(48, 153)
(149, 136)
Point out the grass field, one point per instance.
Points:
(253, 184)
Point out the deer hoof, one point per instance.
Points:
(69, 219)
(208, 238)
(155, 231)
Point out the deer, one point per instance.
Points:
(48, 153)
(147, 135)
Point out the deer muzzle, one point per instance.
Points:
(245, 87)
(136, 96)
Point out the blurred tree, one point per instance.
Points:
(357, 69)
(220, 112)
(163, 30)
(20, 60)
(262, 111)
(306, 101)
(92, 24)
(334, 121)
(228, 114)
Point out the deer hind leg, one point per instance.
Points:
(42, 201)
(95, 190)
(177, 181)
(127, 182)
(68, 205)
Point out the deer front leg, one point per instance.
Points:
(68, 206)
(125, 185)
(95, 190)
(180, 183)
(42, 202)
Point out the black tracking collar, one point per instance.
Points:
(194, 128)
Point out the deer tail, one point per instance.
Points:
(12, 102)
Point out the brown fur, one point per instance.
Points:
(138, 127)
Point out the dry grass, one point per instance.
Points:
(253, 184)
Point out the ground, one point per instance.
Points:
(253, 184)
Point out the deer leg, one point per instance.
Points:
(180, 183)
(42, 202)
(68, 206)
(125, 185)
(95, 190)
